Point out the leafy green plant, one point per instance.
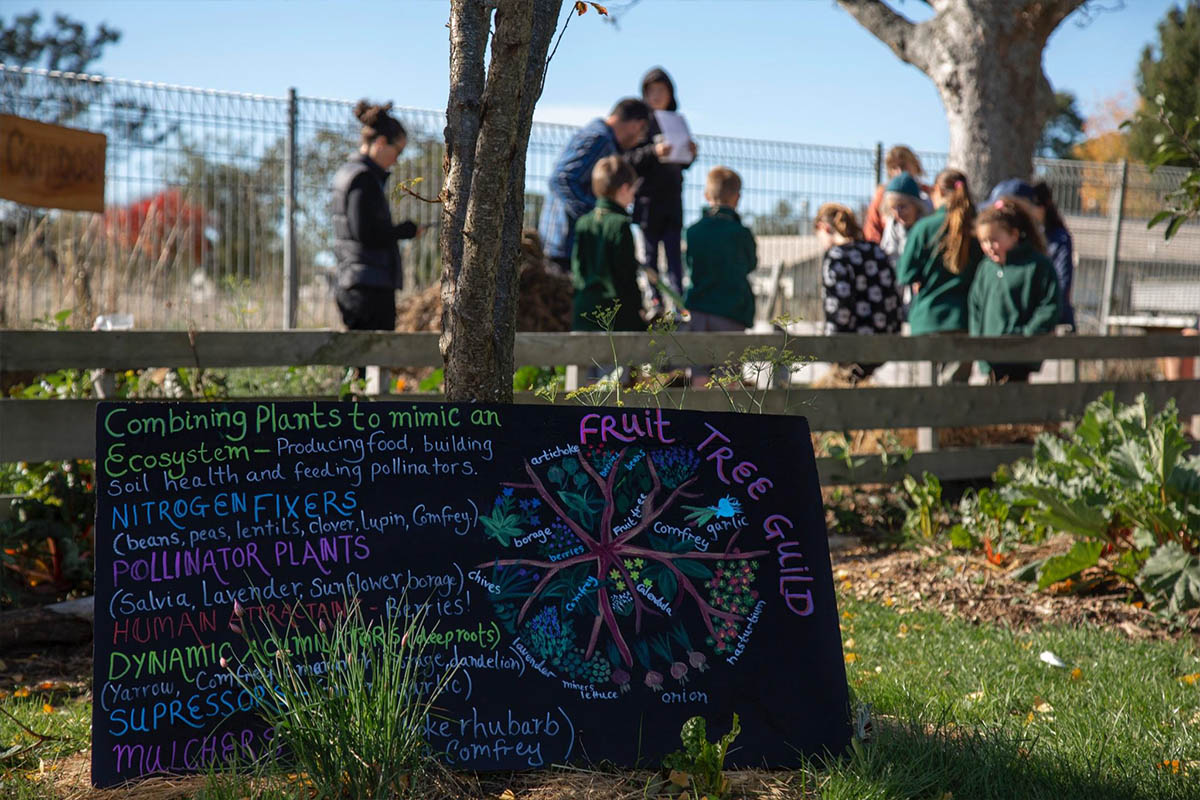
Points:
(853, 510)
(1124, 486)
(47, 543)
(63, 383)
(436, 381)
(1177, 143)
(924, 503)
(699, 766)
(355, 728)
(842, 446)
(837, 445)
(537, 379)
(994, 519)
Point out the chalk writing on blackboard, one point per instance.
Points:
(593, 576)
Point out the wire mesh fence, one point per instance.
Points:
(195, 227)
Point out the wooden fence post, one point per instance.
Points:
(104, 384)
(379, 381)
(926, 437)
(1068, 369)
(1116, 216)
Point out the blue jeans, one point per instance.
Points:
(671, 243)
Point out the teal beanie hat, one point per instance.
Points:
(904, 184)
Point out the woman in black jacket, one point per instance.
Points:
(658, 205)
(368, 259)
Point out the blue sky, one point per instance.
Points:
(794, 70)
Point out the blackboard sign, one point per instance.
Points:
(597, 575)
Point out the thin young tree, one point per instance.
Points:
(488, 120)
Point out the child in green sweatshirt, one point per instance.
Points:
(604, 263)
(939, 260)
(1015, 291)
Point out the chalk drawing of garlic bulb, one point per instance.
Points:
(726, 508)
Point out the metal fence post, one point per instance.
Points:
(1116, 214)
(291, 287)
(878, 163)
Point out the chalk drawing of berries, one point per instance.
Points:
(654, 680)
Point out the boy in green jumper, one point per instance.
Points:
(720, 254)
(603, 260)
(1015, 291)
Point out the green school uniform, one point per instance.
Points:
(941, 302)
(604, 268)
(720, 254)
(1019, 297)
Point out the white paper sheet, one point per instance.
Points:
(675, 132)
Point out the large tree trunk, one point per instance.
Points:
(985, 57)
(488, 121)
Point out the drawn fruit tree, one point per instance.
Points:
(611, 566)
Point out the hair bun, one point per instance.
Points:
(369, 113)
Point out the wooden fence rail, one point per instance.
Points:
(51, 350)
(38, 430)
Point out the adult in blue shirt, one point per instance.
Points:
(570, 195)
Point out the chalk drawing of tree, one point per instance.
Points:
(590, 516)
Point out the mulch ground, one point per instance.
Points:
(968, 586)
(543, 297)
(559, 783)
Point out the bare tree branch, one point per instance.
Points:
(1049, 14)
(1093, 8)
(890, 27)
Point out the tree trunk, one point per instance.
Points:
(985, 57)
(487, 132)
(508, 273)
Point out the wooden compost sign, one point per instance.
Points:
(596, 575)
(51, 166)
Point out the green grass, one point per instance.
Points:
(22, 760)
(955, 715)
(957, 709)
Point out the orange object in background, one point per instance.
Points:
(162, 221)
(1180, 369)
